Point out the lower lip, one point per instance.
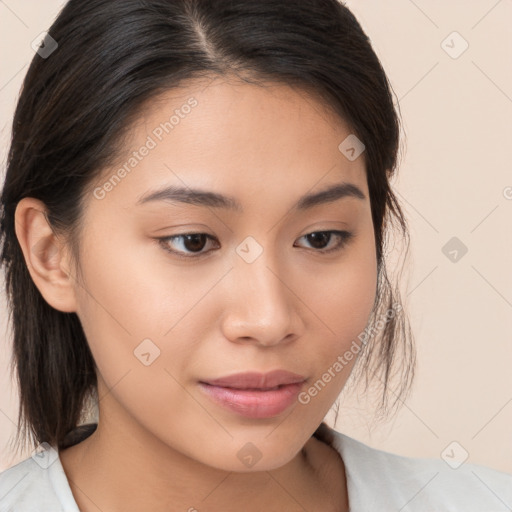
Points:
(253, 403)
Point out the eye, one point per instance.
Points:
(194, 243)
(321, 238)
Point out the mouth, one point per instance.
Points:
(255, 395)
(257, 381)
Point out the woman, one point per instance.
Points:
(194, 222)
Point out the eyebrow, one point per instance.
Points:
(199, 197)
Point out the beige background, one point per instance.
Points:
(455, 180)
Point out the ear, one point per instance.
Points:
(46, 255)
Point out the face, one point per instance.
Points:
(178, 292)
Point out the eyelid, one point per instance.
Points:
(344, 236)
(191, 256)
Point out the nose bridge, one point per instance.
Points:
(257, 265)
(263, 306)
(265, 288)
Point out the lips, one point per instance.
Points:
(255, 395)
(257, 381)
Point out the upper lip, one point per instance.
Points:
(255, 380)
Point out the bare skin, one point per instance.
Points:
(314, 480)
(162, 444)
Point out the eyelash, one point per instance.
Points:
(344, 236)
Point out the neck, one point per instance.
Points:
(122, 456)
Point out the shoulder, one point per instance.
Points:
(36, 483)
(376, 477)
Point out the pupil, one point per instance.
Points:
(195, 245)
(314, 238)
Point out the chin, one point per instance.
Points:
(243, 455)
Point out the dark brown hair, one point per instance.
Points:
(78, 104)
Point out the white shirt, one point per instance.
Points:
(377, 481)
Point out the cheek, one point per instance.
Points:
(342, 295)
(128, 288)
(142, 314)
(130, 314)
(123, 302)
(342, 300)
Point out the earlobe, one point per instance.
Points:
(46, 256)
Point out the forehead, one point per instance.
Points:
(258, 113)
(238, 138)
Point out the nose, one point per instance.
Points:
(260, 305)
